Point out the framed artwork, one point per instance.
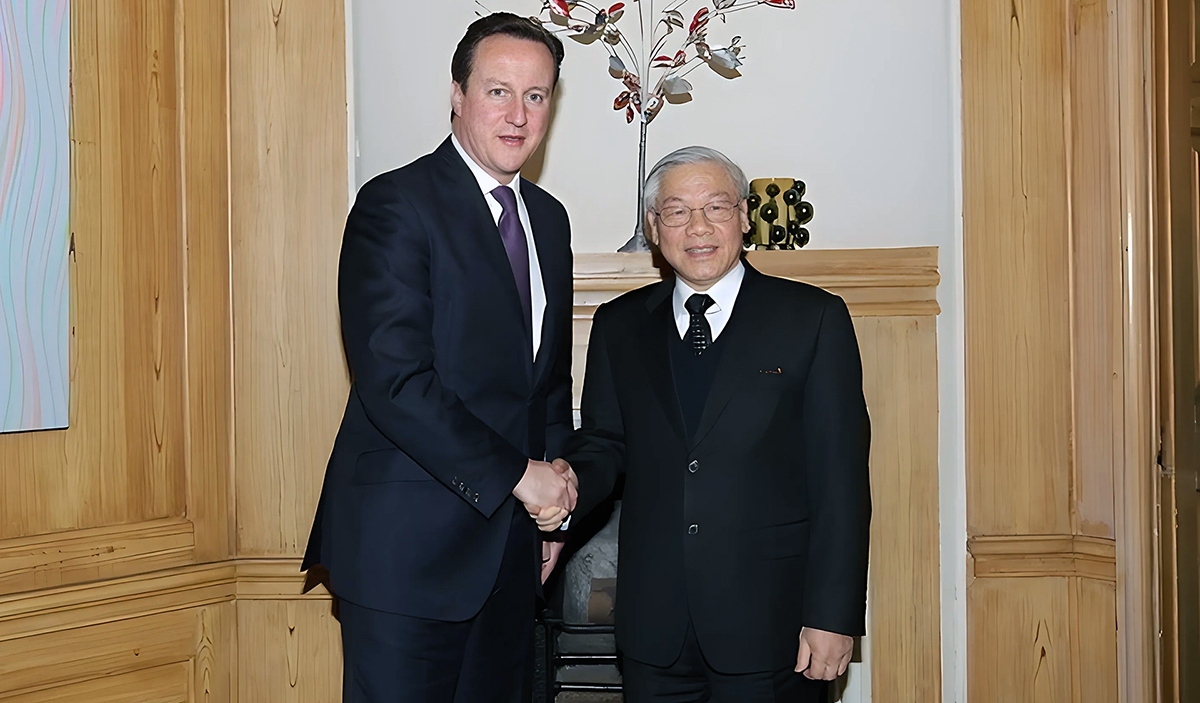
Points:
(34, 205)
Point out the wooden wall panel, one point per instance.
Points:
(170, 683)
(110, 637)
(1094, 632)
(1046, 349)
(138, 480)
(1027, 637)
(1095, 239)
(293, 647)
(205, 121)
(288, 152)
(1016, 259)
(122, 460)
(900, 378)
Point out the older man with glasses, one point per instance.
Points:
(732, 402)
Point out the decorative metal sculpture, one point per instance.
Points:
(651, 74)
(778, 213)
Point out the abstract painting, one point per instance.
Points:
(34, 204)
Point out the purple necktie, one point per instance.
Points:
(513, 235)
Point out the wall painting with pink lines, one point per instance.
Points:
(34, 203)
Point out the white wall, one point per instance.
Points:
(859, 98)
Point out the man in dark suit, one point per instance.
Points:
(455, 295)
(733, 404)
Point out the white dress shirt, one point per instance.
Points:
(537, 291)
(724, 293)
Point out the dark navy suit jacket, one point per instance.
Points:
(447, 402)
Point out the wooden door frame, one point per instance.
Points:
(1140, 654)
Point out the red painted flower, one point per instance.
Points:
(560, 7)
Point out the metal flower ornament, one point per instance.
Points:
(654, 64)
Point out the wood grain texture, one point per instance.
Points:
(209, 315)
(34, 233)
(1138, 637)
(1019, 639)
(170, 683)
(291, 652)
(1016, 261)
(149, 436)
(276, 579)
(122, 460)
(86, 555)
(1095, 673)
(1054, 185)
(216, 664)
(70, 607)
(1177, 250)
(288, 164)
(901, 385)
(1095, 239)
(126, 657)
(1043, 555)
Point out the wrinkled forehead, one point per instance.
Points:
(702, 182)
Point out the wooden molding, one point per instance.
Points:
(63, 558)
(179, 588)
(873, 282)
(275, 579)
(1043, 555)
(69, 607)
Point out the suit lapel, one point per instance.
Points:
(738, 338)
(655, 336)
(552, 281)
(480, 230)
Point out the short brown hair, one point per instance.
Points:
(507, 24)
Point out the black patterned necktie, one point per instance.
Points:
(698, 329)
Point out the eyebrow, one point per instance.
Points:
(711, 199)
(490, 83)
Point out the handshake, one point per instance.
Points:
(549, 492)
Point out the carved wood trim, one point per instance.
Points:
(275, 579)
(63, 558)
(69, 607)
(1043, 555)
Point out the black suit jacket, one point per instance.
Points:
(758, 524)
(447, 403)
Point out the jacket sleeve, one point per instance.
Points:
(385, 298)
(597, 449)
(837, 441)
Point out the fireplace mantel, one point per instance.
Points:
(873, 282)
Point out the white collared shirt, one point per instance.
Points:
(537, 291)
(724, 293)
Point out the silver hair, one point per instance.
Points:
(692, 155)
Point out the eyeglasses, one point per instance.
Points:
(678, 216)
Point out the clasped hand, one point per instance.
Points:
(549, 492)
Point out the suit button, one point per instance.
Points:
(693, 529)
(694, 466)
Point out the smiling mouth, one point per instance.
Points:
(701, 251)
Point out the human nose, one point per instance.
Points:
(698, 222)
(517, 114)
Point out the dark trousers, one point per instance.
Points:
(691, 680)
(390, 658)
